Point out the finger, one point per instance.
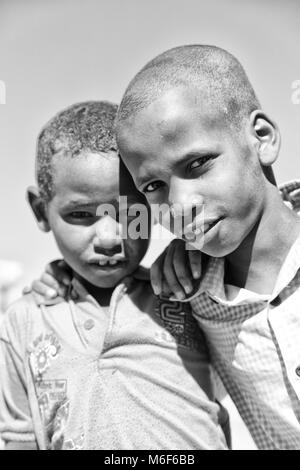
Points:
(39, 299)
(156, 275)
(41, 289)
(49, 281)
(26, 290)
(67, 272)
(169, 274)
(74, 295)
(295, 198)
(182, 268)
(60, 271)
(195, 263)
(166, 291)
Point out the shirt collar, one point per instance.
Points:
(78, 292)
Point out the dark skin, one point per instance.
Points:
(85, 238)
(177, 150)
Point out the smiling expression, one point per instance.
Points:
(178, 152)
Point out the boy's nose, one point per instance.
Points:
(108, 239)
(186, 207)
(182, 193)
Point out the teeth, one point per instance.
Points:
(112, 262)
(191, 232)
(105, 262)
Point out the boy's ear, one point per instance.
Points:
(38, 208)
(267, 135)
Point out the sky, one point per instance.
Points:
(54, 53)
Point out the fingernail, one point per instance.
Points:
(179, 295)
(156, 290)
(196, 274)
(51, 293)
(66, 281)
(188, 289)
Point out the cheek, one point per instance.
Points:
(136, 249)
(72, 240)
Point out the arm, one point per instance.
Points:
(16, 424)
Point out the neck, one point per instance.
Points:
(257, 261)
(101, 294)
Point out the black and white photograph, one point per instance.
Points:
(150, 227)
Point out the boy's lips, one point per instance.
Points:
(199, 226)
(197, 238)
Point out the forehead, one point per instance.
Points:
(97, 177)
(180, 120)
(88, 173)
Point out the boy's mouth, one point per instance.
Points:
(108, 262)
(209, 225)
(201, 228)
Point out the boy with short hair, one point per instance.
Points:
(110, 367)
(190, 128)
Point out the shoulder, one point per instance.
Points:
(17, 320)
(21, 310)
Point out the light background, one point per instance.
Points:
(57, 52)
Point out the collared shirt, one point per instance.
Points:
(76, 377)
(254, 342)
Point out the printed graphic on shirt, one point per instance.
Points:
(50, 395)
(44, 349)
(177, 318)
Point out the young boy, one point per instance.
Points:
(190, 128)
(114, 368)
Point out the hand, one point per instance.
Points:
(53, 283)
(176, 270)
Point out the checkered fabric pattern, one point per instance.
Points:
(255, 347)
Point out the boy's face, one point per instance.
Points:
(179, 152)
(92, 244)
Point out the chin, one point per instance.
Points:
(107, 281)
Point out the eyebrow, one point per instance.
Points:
(197, 154)
(78, 202)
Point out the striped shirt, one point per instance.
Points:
(254, 342)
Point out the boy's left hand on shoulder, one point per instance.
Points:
(53, 285)
(176, 270)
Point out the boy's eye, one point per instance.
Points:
(154, 186)
(199, 162)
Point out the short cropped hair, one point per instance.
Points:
(87, 126)
(216, 73)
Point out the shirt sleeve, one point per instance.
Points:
(16, 423)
